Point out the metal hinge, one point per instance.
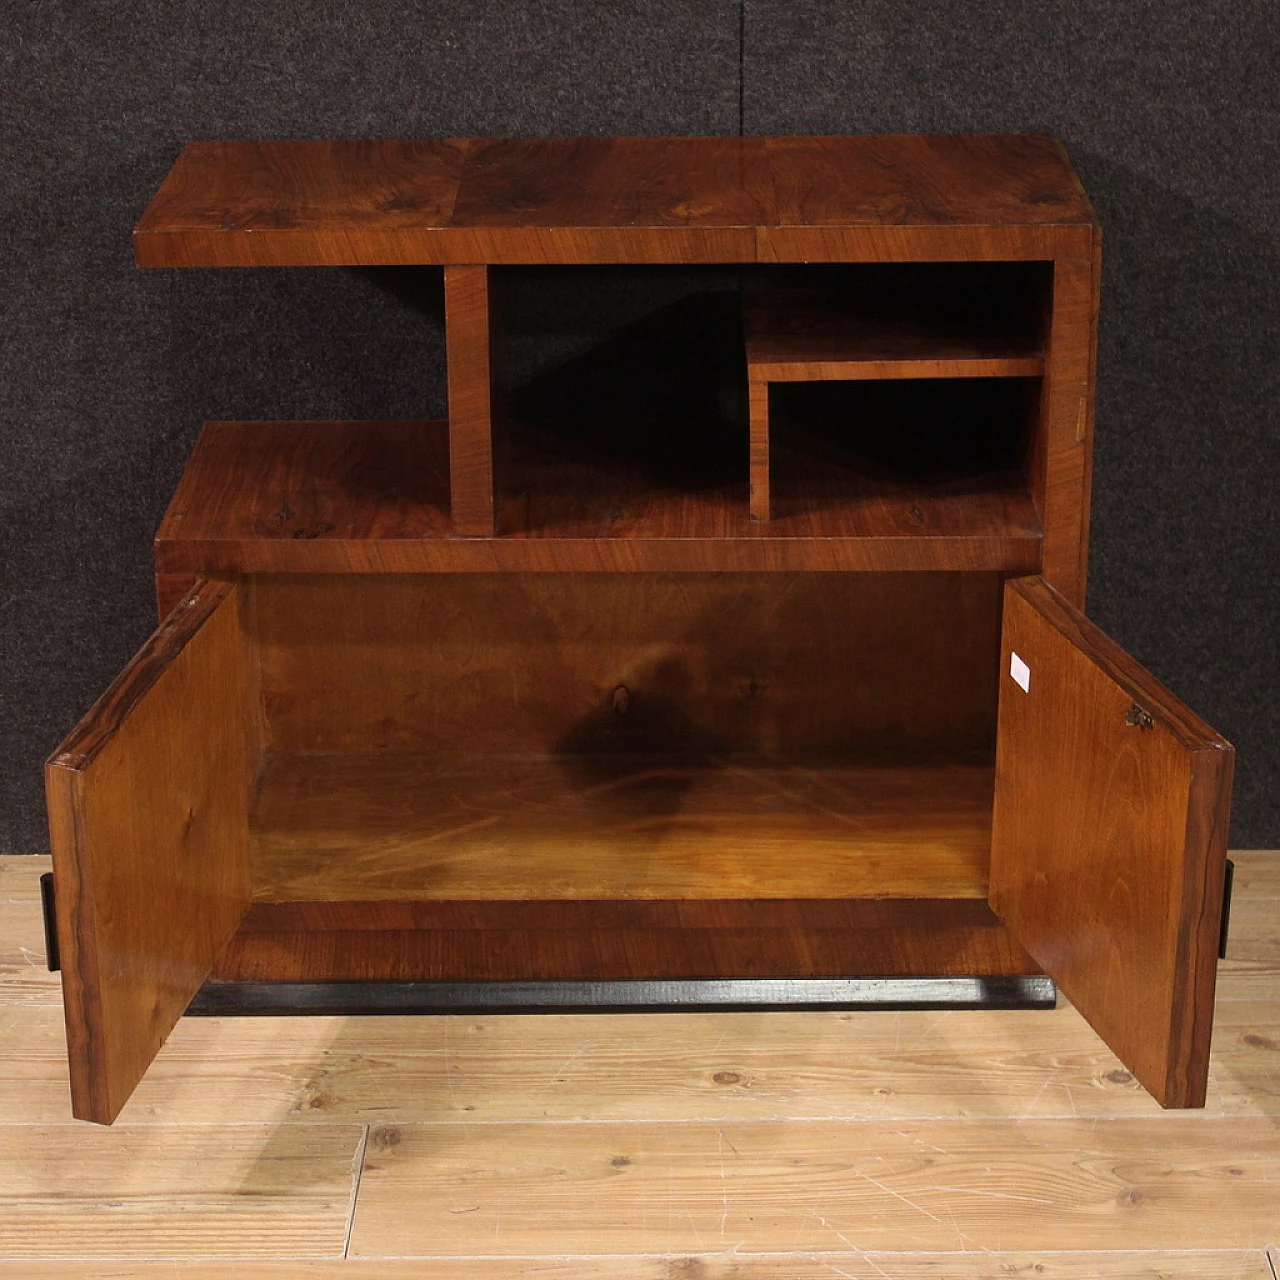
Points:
(50, 922)
(1138, 718)
(1228, 884)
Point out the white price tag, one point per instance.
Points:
(1020, 672)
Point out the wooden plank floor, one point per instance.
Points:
(736, 1146)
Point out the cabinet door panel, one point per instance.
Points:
(148, 815)
(1109, 838)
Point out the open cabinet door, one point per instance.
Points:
(148, 816)
(1109, 840)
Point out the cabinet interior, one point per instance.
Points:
(623, 737)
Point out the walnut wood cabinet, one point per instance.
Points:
(805, 693)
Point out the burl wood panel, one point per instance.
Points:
(148, 814)
(865, 665)
(566, 200)
(1109, 839)
(917, 179)
(371, 497)
(577, 827)
(315, 203)
(469, 335)
(306, 482)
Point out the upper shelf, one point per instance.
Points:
(809, 336)
(571, 200)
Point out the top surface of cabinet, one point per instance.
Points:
(566, 200)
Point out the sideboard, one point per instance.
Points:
(792, 685)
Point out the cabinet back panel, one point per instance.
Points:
(875, 666)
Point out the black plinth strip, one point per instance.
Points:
(220, 999)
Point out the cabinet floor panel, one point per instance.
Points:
(563, 827)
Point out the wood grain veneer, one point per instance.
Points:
(761, 498)
(148, 815)
(565, 200)
(500, 955)
(810, 335)
(1109, 839)
(372, 497)
(171, 590)
(470, 338)
(555, 698)
(774, 665)
(579, 828)
(1061, 456)
(882, 915)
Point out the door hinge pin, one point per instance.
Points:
(1137, 716)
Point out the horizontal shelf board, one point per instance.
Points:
(808, 335)
(354, 202)
(812, 553)
(306, 481)
(370, 497)
(848, 367)
(552, 495)
(563, 827)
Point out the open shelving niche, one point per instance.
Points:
(451, 719)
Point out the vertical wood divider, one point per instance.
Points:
(758, 401)
(1062, 461)
(469, 346)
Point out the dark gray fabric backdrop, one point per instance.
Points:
(1168, 108)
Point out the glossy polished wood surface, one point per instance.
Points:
(469, 333)
(564, 200)
(1111, 813)
(372, 497)
(505, 955)
(1060, 463)
(148, 814)
(760, 500)
(171, 588)
(882, 915)
(580, 496)
(860, 665)
(251, 484)
(585, 827)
